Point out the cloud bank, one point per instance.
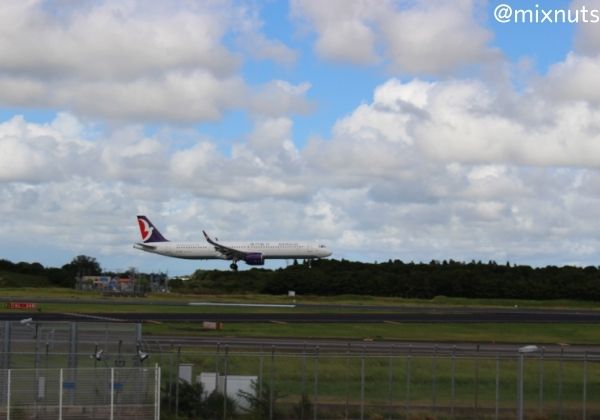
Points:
(441, 161)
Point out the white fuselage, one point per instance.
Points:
(206, 251)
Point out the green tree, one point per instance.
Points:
(194, 404)
(81, 265)
(261, 403)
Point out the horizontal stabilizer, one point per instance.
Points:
(143, 246)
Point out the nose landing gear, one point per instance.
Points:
(233, 266)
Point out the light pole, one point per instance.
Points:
(522, 351)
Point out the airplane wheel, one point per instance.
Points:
(234, 266)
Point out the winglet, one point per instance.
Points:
(210, 241)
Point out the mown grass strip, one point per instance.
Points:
(47, 293)
(475, 333)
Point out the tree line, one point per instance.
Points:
(35, 274)
(337, 277)
(408, 280)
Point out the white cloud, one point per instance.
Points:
(436, 37)
(37, 153)
(259, 47)
(457, 169)
(271, 142)
(112, 40)
(390, 180)
(575, 78)
(452, 168)
(587, 36)
(421, 37)
(175, 98)
(136, 60)
(278, 97)
(343, 29)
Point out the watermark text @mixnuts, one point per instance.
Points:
(505, 13)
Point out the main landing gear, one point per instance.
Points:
(233, 266)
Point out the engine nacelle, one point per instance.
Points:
(255, 258)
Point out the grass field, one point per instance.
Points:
(358, 300)
(570, 334)
(391, 384)
(92, 302)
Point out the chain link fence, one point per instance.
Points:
(399, 384)
(102, 393)
(306, 382)
(57, 344)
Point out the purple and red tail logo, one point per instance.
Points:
(145, 229)
(148, 231)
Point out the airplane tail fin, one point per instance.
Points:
(148, 231)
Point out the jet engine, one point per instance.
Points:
(254, 258)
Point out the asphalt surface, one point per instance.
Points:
(378, 347)
(400, 315)
(342, 314)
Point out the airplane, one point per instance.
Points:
(252, 253)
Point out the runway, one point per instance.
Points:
(358, 347)
(440, 315)
(338, 315)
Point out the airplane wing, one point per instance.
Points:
(230, 253)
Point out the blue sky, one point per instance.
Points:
(388, 129)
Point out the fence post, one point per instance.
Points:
(346, 413)
(260, 371)
(390, 382)
(453, 381)
(225, 382)
(362, 384)
(408, 382)
(156, 392)
(477, 382)
(138, 333)
(8, 385)
(316, 389)
(497, 385)
(271, 382)
(170, 379)
(560, 384)
(217, 379)
(585, 380)
(177, 381)
(541, 401)
(6, 348)
(73, 333)
(60, 394)
(112, 393)
(434, 379)
(520, 388)
(304, 391)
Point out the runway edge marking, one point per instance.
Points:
(248, 305)
(101, 318)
